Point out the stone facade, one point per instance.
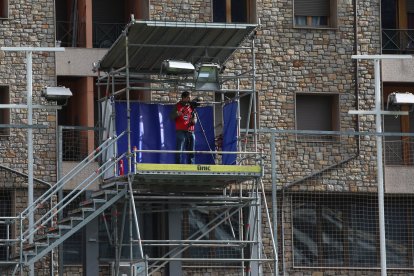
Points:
(35, 29)
(30, 24)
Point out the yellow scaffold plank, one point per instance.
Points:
(227, 169)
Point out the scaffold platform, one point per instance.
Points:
(170, 177)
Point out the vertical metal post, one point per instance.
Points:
(380, 172)
(255, 117)
(60, 195)
(128, 104)
(30, 145)
(274, 200)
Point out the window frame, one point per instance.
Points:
(332, 20)
(250, 12)
(5, 112)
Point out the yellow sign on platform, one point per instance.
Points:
(199, 168)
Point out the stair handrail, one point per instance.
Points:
(54, 211)
(72, 173)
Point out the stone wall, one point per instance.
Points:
(35, 29)
(30, 24)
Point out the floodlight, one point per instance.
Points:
(400, 98)
(60, 94)
(207, 77)
(177, 67)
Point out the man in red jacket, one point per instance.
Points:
(185, 120)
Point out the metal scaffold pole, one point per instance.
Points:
(378, 126)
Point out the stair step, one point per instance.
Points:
(93, 202)
(46, 237)
(71, 220)
(34, 246)
(113, 185)
(82, 210)
(103, 193)
(28, 255)
(58, 227)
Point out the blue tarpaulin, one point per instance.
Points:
(152, 129)
(229, 133)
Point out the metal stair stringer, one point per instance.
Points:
(39, 254)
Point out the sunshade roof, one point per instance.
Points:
(152, 42)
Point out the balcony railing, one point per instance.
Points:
(399, 152)
(398, 41)
(67, 37)
(104, 34)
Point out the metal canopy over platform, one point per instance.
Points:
(151, 42)
(192, 177)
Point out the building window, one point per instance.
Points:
(317, 112)
(342, 231)
(4, 112)
(315, 13)
(5, 229)
(234, 11)
(4, 9)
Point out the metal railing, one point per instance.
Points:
(399, 152)
(50, 216)
(104, 34)
(398, 41)
(66, 35)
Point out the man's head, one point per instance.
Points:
(185, 96)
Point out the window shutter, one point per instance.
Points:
(312, 8)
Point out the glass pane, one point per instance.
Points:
(396, 233)
(300, 20)
(319, 21)
(305, 234)
(219, 11)
(332, 237)
(362, 233)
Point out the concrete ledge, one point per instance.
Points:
(78, 61)
(399, 179)
(397, 70)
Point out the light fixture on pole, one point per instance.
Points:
(207, 77)
(177, 67)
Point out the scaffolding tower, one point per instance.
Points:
(166, 218)
(204, 200)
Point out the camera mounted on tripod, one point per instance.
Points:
(196, 102)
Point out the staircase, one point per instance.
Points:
(49, 231)
(77, 218)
